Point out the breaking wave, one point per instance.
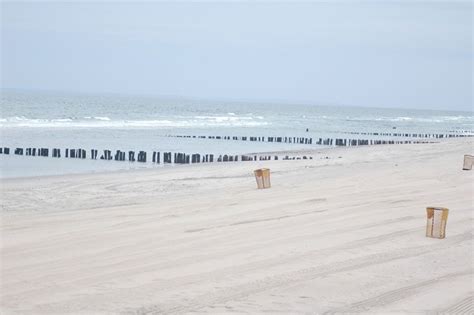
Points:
(433, 119)
(106, 122)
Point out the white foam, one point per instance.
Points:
(102, 118)
(433, 119)
(106, 122)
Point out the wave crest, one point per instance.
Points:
(106, 122)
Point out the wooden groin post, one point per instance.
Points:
(166, 157)
(141, 157)
(131, 156)
(156, 157)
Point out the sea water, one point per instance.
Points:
(66, 120)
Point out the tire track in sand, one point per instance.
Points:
(224, 295)
(399, 294)
(465, 306)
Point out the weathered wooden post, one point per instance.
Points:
(143, 156)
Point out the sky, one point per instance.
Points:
(407, 54)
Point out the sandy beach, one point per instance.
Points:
(343, 232)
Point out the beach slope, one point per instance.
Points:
(343, 232)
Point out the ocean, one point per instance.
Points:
(67, 120)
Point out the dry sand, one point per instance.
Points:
(332, 235)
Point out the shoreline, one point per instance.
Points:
(151, 166)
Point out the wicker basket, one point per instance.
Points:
(263, 178)
(468, 161)
(436, 222)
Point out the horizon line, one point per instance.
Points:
(235, 100)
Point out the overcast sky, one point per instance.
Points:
(407, 54)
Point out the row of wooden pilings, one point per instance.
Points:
(452, 134)
(141, 156)
(303, 140)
